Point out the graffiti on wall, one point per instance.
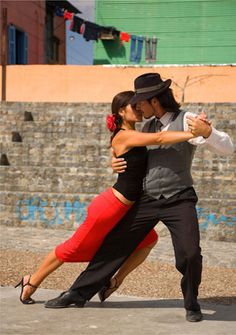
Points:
(74, 210)
(51, 212)
(207, 218)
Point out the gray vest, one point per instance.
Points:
(168, 168)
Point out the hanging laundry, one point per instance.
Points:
(68, 15)
(154, 49)
(124, 37)
(150, 49)
(115, 32)
(147, 49)
(92, 31)
(108, 33)
(136, 47)
(77, 25)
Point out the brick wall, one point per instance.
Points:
(63, 162)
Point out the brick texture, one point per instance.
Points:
(63, 162)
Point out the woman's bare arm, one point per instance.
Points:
(132, 138)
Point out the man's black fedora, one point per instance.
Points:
(149, 85)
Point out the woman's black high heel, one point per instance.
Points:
(102, 294)
(29, 300)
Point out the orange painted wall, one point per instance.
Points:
(73, 83)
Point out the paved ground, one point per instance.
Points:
(119, 316)
(155, 306)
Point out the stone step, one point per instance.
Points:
(78, 129)
(72, 112)
(55, 179)
(89, 122)
(37, 138)
(94, 180)
(94, 154)
(58, 155)
(94, 133)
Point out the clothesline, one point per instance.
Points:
(93, 32)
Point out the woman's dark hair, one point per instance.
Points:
(168, 101)
(120, 100)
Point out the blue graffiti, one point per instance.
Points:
(51, 212)
(207, 218)
(60, 212)
(78, 207)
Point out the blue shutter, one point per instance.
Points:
(11, 45)
(25, 49)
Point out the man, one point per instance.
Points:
(168, 197)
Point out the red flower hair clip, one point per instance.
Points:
(110, 122)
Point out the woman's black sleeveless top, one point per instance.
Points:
(130, 183)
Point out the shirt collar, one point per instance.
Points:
(166, 118)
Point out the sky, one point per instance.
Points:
(78, 50)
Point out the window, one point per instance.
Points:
(17, 46)
(52, 42)
(48, 37)
(55, 55)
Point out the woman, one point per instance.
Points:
(109, 207)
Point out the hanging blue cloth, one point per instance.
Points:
(136, 47)
(59, 11)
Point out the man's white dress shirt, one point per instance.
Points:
(218, 142)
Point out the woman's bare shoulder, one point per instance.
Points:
(119, 142)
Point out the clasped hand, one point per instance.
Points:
(199, 125)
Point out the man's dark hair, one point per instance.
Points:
(168, 101)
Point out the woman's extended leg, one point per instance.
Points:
(49, 264)
(103, 214)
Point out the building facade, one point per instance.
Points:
(34, 34)
(185, 31)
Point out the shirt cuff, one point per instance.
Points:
(214, 136)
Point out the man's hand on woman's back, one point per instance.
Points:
(118, 165)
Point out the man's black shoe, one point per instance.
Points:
(65, 299)
(193, 316)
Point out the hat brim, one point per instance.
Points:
(148, 95)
